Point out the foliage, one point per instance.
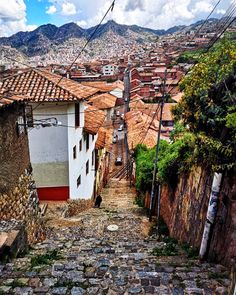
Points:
(162, 227)
(144, 165)
(190, 57)
(190, 251)
(231, 118)
(45, 259)
(177, 131)
(178, 158)
(168, 249)
(206, 108)
(139, 200)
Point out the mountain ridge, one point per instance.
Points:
(40, 40)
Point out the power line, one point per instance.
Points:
(85, 45)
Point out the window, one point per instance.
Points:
(87, 141)
(80, 145)
(93, 154)
(74, 152)
(77, 115)
(29, 116)
(79, 181)
(87, 167)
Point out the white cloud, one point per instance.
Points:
(221, 11)
(82, 23)
(68, 8)
(51, 9)
(202, 6)
(13, 17)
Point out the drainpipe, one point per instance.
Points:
(211, 214)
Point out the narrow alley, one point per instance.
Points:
(109, 251)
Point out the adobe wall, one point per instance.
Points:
(184, 211)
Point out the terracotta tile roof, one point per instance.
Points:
(94, 119)
(37, 85)
(6, 99)
(141, 129)
(103, 86)
(101, 140)
(103, 101)
(150, 108)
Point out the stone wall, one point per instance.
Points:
(18, 197)
(14, 156)
(184, 210)
(21, 203)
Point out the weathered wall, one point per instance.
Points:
(21, 203)
(14, 156)
(184, 211)
(18, 197)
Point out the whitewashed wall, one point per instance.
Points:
(48, 147)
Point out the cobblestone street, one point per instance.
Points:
(87, 258)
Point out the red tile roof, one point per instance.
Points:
(150, 108)
(103, 101)
(101, 140)
(142, 128)
(94, 119)
(103, 86)
(38, 85)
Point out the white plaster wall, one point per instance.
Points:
(48, 147)
(77, 167)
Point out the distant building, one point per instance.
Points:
(109, 70)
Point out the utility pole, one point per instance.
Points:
(211, 215)
(157, 152)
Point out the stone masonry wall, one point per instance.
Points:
(21, 203)
(184, 211)
(14, 156)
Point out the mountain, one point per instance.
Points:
(41, 40)
(48, 38)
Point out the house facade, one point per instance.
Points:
(109, 70)
(61, 151)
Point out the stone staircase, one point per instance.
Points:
(118, 195)
(91, 259)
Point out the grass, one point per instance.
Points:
(45, 259)
(190, 251)
(217, 275)
(169, 249)
(162, 227)
(16, 284)
(139, 200)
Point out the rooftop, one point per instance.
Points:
(94, 119)
(39, 85)
(103, 101)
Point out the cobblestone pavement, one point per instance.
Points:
(87, 258)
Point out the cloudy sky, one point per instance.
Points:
(26, 15)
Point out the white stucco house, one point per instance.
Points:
(109, 70)
(62, 149)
